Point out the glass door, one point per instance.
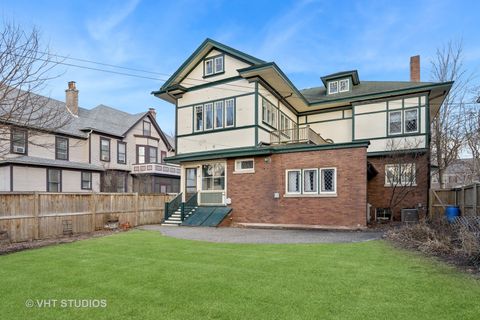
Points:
(190, 182)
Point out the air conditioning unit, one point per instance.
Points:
(410, 215)
(18, 149)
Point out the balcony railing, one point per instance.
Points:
(158, 168)
(296, 135)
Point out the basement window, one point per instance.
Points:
(244, 166)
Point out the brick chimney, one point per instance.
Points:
(415, 68)
(71, 98)
(153, 112)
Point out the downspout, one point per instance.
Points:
(89, 146)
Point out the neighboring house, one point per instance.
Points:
(248, 139)
(102, 149)
(461, 172)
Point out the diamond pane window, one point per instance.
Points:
(328, 181)
(411, 120)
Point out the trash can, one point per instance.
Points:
(451, 212)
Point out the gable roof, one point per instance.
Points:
(101, 119)
(204, 48)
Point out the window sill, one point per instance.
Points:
(333, 195)
(213, 74)
(242, 172)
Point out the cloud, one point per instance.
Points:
(101, 27)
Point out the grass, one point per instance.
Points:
(144, 275)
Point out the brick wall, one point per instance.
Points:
(252, 194)
(379, 196)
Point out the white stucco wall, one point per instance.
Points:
(217, 140)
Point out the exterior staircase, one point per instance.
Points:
(176, 218)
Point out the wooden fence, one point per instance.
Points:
(31, 216)
(467, 198)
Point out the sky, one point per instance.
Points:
(307, 40)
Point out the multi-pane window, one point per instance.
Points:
(307, 181)
(310, 181)
(19, 141)
(208, 116)
(293, 181)
(147, 154)
(344, 85)
(199, 118)
(86, 181)
(147, 128)
(214, 115)
(411, 120)
(121, 152)
(104, 149)
(229, 113)
(332, 87)
(54, 180)
(269, 113)
(400, 174)
(219, 114)
(163, 155)
(214, 65)
(61, 148)
(244, 165)
(213, 176)
(395, 122)
(328, 179)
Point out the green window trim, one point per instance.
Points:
(214, 65)
(222, 112)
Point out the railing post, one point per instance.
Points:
(182, 211)
(165, 212)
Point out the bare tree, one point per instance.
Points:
(25, 68)
(448, 124)
(404, 171)
(472, 141)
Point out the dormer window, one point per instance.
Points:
(214, 65)
(337, 86)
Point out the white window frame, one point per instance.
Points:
(405, 120)
(206, 68)
(215, 64)
(220, 104)
(389, 123)
(205, 106)
(316, 181)
(334, 181)
(238, 166)
(198, 109)
(233, 110)
(347, 81)
(330, 83)
(299, 184)
(269, 113)
(401, 175)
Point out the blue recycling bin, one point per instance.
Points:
(451, 212)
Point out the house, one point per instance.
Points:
(102, 149)
(248, 139)
(460, 172)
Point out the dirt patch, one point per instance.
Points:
(8, 247)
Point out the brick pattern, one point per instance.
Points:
(252, 194)
(379, 196)
(415, 69)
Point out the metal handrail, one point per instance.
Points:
(172, 206)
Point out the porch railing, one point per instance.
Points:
(188, 206)
(172, 206)
(303, 134)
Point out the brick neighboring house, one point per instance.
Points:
(461, 172)
(248, 139)
(100, 149)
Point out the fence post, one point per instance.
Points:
(93, 205)
(430, 203)
(36, 212)
(463, 201)
(137, 212)
(165, 211)
(474, 199)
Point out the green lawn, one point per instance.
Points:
(144, 275)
